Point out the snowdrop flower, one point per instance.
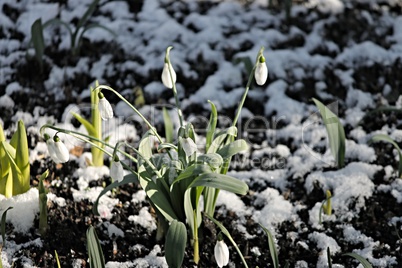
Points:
(57, 150)
(105, 109)
(221, 252)
(189, 146)
(166, 75)
(116, 170)
(261, 71)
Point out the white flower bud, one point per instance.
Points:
(166, 79)
(57, 150)
(116, 170)
(221, 253)
(105, 109)
(261, 71)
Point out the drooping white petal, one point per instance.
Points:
(221, 253)
(166, 79)
(52, 150)
(116, 171)
(62, 153)
(261, 73)
(189, 146)
(105, 109)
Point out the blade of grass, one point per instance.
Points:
(271, 246)
(362, 260)
(3, 225)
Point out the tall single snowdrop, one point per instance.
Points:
(261, 71)
(105, 109)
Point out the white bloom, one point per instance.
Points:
(221, 253)
(105, 109)
(57, 150)
(261, 71)
(166, 80)
(189, 146)
(116, 171)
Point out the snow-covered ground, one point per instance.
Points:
(312, 56)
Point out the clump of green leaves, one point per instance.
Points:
(14, 162)
(175, 175)
(335, 131)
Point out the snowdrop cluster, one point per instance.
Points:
(175, 185)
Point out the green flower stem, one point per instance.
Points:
(196, 250)
(230, 138)
(136, 111)
(133, 108)
(250, 79)
(179, 112)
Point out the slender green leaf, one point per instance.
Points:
(221, 137)
(386, 138)
(20, 142)
(192, 171)
(42, 204)
(168, 125)
(335, 131)
(175, 244)
(56, 22)
(362, 260)
(15, 171)
(97, 154)
(213, 160)
(272, 247)
(329, 258)
(95, 253)
(38, 41)
(86, 28)
(88, 126)
(220, 181)
(88, 13)
(167, 146)
(130, 178)
(380, 110)
(2, 136)
(211, 126)
(233, 148)
(57, 259)
(3, 225)
(226, 232)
